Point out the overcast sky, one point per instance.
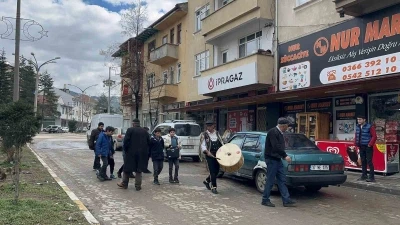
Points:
(77, 31)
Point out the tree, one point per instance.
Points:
(18, 125)
(102, 105)
(27, 82)
(154, 88)
(48, 104)
(72, 125)
(6, 79)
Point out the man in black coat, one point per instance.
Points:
(94, 135)
(274, 154)
(136, 144)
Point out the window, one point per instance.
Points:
(250, 44)
(178, 75)
(201, 14)
(298, 142)
(250, 143)
(225, 56)
(237, 140)
(179, 28)
(202, 62)
(172, 75)
(301, 2)
(151, 81)
(165, 39)
(151, 46)
(172, 35)
(165, 76)
(190, 130)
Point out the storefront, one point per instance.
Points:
(357, 65)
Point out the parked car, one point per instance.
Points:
(65, 129)
(118, 137)
(114, 120)
(189, 133)
(47, 128)
(310, 167)
(55, 129)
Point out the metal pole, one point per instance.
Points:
(82, 110)
(109, 91)
(17, 41)
(35, 104)
(276, 63)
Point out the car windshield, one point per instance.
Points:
(298, 142)
(191, 130)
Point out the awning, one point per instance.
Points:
(389, 82)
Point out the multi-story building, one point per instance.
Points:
(131, 54)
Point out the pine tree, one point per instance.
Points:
(48, 106)
(27, 82)
(102, 105)
(6, 80)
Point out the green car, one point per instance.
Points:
(310, 167)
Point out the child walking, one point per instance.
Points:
(173, 146)
(157, 153)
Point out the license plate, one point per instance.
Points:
(188, 146)
(319, 167)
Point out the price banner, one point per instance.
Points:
(367, 68)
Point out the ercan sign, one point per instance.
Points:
(228, 79)
(362, 47)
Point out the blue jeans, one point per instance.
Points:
(275, 170)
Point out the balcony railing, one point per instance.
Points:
(165, 54)
(164, 92)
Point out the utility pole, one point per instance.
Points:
(17, 41)
(109, 83)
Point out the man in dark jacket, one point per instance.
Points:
(156, 149)
(136, 144)
(104, 149)
(92, 144)
(365, 139)
(274, 153)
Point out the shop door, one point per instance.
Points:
(262, 119)
(303, 128)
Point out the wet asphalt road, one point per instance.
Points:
(190, 203)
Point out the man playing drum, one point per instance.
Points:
(209, 146)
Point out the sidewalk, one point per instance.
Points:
(384, 184)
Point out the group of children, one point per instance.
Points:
(105, 151)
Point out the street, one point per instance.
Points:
(191, 203)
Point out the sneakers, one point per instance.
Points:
(176, 181)
(371, 180)
(290, 203)
(100, 178)
(269, 204)
(171, 180)
(107, 178)
(113, 177)
(207, 184)
(119, 175)
(214, 190)
(138, 188)
(362, 178)
(155, 182)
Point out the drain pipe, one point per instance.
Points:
(276, 56)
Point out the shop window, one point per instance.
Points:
(385, 115)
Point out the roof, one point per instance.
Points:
(120, 52)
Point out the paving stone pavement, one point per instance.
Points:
(190, 203)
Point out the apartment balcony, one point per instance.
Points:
(253, 72)
(234, 14)
(127, 100)
(164, 92)
(362, 7)
(165, 54)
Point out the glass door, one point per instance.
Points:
(303, 124)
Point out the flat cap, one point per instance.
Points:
(135, 121)
(209, 122)
(283, 121)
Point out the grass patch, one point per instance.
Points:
(42, 200)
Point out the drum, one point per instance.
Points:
(230, 158)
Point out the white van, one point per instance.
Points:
(188, 131)
(114, 120)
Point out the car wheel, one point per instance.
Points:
(196, 159)
(313, 188)
(260, 180)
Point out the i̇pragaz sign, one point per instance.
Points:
(228, 79)
(360, 48)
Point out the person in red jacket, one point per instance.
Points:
(365, 139)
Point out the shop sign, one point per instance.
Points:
(294, 107)
(348, 101)
(228, 79)
(363, 47)
(345, 115)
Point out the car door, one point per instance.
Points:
(251, 154)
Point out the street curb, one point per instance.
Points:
(372, 187)
(88, 215)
